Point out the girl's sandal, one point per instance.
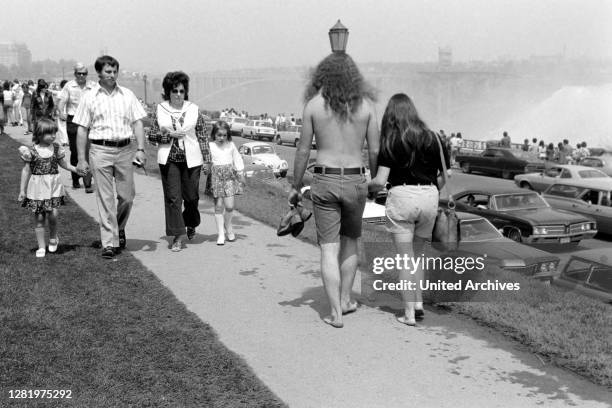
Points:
(53, 244)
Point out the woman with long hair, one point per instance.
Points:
(42, 103)
(409, 160)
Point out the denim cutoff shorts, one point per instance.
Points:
(412, 209)
(338, 201)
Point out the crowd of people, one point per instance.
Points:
(280, 122)
(106, 139)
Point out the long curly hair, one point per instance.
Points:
(341, 85)
(403, 134)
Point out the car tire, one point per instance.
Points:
(283, 173)
(465, 167)
(514, 234)
(525, 184)
(278, 140)
(295, 142)
(506, 174)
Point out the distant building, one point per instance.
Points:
(15, 54)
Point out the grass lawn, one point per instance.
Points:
(109, 331)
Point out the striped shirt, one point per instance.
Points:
(109, 116)
(72, 92)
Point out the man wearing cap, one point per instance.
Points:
(112, 115)
(69, 99)
(341, 113)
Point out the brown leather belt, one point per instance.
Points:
(111, 143)
(338, 170)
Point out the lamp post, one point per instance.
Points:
(144, 78)
(338, 36)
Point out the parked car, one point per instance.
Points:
(603, 162)
(591, 197)
(525, 216)
(264, 154)
(589, 272)
(258, 129)
(499, 161)
(556, 173)
(236, 124)
(291, 134)
(478, 236)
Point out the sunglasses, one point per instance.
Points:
(178, 91)
(81, 73)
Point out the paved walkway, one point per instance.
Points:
(263, 296)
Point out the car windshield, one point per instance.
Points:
(478, 230)
(262, 149)
(519, 201)
(591, 173)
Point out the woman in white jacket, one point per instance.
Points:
(178, 127)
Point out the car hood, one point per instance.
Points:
(547, 216)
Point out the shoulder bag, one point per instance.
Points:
(445, 234)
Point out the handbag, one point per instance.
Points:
(445, 235)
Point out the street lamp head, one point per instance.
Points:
(338, 36)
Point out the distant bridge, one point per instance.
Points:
(444, 89)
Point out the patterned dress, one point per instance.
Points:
(45, 190)
(226, 164)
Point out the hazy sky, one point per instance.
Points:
(157, 36)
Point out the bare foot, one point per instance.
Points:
(329, 320)
(351, 307)
(406, 320)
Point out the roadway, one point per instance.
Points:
(459, 181)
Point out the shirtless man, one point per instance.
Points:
(339, 188)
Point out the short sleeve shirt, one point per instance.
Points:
(109, 116)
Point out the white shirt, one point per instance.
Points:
(190, 143)
(109, 116)
(226, 154)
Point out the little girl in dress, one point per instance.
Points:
(227, 179)
(41, 189)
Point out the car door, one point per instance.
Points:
(487, 163)
(602, 212)
(547, 177)
(586, 203)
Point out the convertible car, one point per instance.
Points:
(555, 174)
(477, 236)
(592, 198)
(524, 216)
(499, 161)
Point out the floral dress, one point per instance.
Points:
(45, 190)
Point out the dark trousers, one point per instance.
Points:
(181, 188)
(71, 130)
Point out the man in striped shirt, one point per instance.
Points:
(112, 115)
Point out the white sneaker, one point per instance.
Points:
(40, 252)
(53, 244)
(221, 239)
